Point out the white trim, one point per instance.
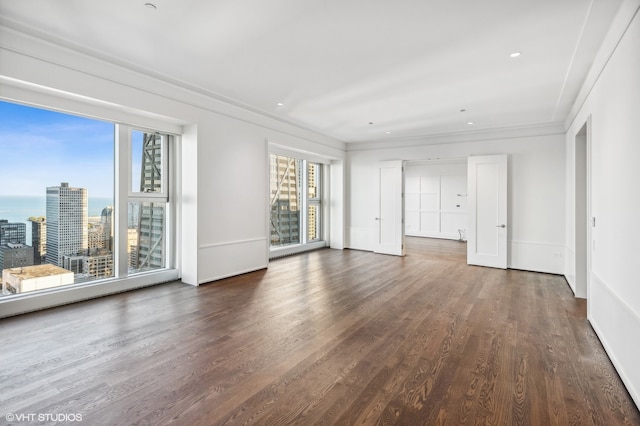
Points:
(30, 45)
(537, 243)
(572, 62)
(212, 279)
(299, 154)
(28, 302)
(295, 249)
(229, 243)
(494, 134)
(569, 256)
(621, 23)
(436, 235)
(35, 95)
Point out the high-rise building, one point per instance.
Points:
(13, 249)
(96, 236)
(132, 247)
(15, 233)
(106, 219)
(90, 264)
(15, 255)
(150, 249)
(38, 239)
(67, 222)
(285, 198)
(98, 264)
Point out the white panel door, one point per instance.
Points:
(389, 221)
(487, 207)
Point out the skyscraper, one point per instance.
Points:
(150, 253)
(285, 194)
(38, 239)
(67, 222)
(13, 249)
(15, 233)
(106, 218)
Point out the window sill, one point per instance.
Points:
(28, 302)
(295, 249)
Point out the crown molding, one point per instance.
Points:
(492, 134)
(35, 44)
(627, 13)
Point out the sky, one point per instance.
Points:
(41, 148)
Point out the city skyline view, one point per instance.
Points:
(38, 146)
(57, 197)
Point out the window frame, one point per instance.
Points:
(121, 279)
(314, 201)
(305, 243)
(122, 197)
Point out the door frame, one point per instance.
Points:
(397, 248)
(583, 220)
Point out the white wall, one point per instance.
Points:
(436, 199)
(611, 98)
(223, 205)
(536, 190)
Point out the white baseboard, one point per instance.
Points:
(440, 235)
(570, 268)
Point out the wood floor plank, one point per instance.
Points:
(328, 337)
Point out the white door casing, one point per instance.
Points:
(389, 219)
(487, 207)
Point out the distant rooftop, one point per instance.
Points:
(37, 271)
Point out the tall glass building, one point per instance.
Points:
(67, 222)
(149, 252)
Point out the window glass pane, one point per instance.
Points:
(285, 199)
(146, 236)
(56, 194)
(313, 222)
(146, 162)
(313, 177)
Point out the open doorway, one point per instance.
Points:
(582, 232)
(436, 203)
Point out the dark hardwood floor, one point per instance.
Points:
(329, 337)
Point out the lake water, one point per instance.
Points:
(20, 208)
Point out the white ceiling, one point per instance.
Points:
(407, 66)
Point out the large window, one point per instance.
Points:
(295, 201)
(147, 201)
(66, 217)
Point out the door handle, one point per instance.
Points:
(501, 226)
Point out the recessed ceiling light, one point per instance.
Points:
(515, 54)
(280, 104)
(387, 132)
(470, 123)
